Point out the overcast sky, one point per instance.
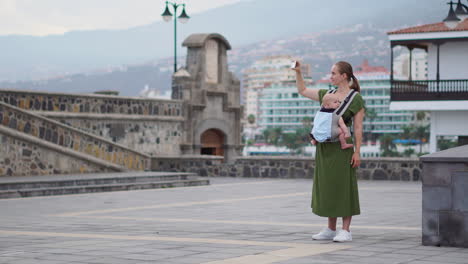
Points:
(44, 17)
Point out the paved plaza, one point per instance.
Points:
(232, 221)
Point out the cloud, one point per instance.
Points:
(43, 17)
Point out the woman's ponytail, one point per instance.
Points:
(355, 84)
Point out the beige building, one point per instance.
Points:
(401, 66)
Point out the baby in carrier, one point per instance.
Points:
(328, 126)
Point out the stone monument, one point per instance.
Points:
(211, 95)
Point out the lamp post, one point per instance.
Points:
(167, 16)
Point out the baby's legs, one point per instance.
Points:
(344, 133)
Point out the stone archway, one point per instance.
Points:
(212, 142)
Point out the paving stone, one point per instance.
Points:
(267, 214)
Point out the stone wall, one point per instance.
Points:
(92, 103)
(396, 169)
(154, 137)
(70, 138)
(22, 158)
(152, 126)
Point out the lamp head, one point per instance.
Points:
(184, 18)
(167, 15)
(452, 20)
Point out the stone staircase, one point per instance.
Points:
(29, 186)
(31, 129)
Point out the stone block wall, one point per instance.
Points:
(22, 158)
(13, 118)
(151, 126)
(154, 137)
(395, 169)
(82, 103)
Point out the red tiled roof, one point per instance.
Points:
(366, 68)
(436, 27)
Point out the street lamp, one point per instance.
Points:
(452, 20)
(167, 16)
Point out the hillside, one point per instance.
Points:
(318, 49)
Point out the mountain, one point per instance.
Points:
(247, 22)
(320, 50)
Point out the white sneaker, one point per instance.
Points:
(325, 234)
(343, 236)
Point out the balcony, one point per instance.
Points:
(430, 90)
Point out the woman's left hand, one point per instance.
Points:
(356, 160)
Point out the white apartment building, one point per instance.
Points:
(445, 92)
(282, 106)
(270, 69)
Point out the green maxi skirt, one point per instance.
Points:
(335, 190)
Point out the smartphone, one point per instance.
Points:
(293, 64)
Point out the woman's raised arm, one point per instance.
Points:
(301, 88)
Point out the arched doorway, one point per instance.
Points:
(212, 141)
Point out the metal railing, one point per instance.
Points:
(430, 90)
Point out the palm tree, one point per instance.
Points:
(408, 132)
(371, 115)
(266, 134)
(421, 133)
(251, 119)
(420, 115)
(275, 135)
(387, 147)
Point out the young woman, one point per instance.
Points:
(335, 190)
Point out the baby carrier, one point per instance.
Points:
(326, 128)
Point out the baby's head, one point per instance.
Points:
(330, 101)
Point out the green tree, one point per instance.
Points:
(407, 132)
(387, 147)
(420, 115)
(421, 133)
(290, 141)
(306, 122)
(296, 141)
(251, 119)
(266, 134)
(408, 152)
(272, 135)
(275, 136)
(370, 115)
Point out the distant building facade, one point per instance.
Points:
(282, 106)
(401, 66)
(262, 73)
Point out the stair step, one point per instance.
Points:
(83, 180)
(101, 188)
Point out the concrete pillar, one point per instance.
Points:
(433, 133)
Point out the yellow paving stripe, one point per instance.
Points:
(207, 221)
(293, 250)
(162, 238)
(181, 204)
(280, 255)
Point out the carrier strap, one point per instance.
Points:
(346, 103)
